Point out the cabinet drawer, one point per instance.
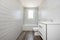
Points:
(42, 30)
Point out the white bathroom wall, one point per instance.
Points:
(11, 19)
(50, 10)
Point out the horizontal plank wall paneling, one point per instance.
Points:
(11, 19)
(50, 11)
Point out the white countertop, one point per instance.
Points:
(50, 22)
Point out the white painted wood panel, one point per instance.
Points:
(53, 32)
(10, 24)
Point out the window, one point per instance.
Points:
(30, 13)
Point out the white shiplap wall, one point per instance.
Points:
(50, 10)
(11, 19)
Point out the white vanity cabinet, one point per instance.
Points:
(49, 31)
(53, 32)
(42, 31)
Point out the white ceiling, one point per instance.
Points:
(31, 3)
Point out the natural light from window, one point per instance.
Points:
(30, 14)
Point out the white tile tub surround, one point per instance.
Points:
(10, 24)
(29, 27)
